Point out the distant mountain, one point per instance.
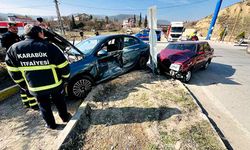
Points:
(118, 18)
(163, 22)
(122, 17)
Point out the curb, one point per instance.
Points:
(248, 49)
(213, 125)
(6, 93)
(74, 128)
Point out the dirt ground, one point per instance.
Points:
(142, 111)
(134, 111)
(22, 128)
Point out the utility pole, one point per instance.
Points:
(59, 17)
(216, 12)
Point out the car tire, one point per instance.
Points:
(206, 65)
(142, 63)
(187, 76)
(80, 86)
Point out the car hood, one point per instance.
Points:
(61, 42)
(174, 55)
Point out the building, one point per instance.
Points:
(128, 23)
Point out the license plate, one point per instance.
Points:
(174, 67)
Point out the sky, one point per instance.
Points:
(172, 10)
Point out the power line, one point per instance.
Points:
(141, 9)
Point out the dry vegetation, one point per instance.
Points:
(142, 111)
(235, 17)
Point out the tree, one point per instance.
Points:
(139, 23)
(106, 19)
(72, 23)
(90, 17)
(134, 19)
(80, 25)
(145, 22)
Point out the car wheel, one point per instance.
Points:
(206, 65)
(80, 87)
(142, 64)
(187, 76)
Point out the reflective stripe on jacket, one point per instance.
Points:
(37, 64)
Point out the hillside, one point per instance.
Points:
(236, 17)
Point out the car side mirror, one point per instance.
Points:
(102, 53)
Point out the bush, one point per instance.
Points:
(241, 36)
(222, 34)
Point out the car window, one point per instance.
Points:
(144, 32)
(191, 47)
(207, 47)
(113, 44)
(129, 41)
(200, 47)
(87, 46)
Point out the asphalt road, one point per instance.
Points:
(224, 91)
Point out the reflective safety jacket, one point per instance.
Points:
(37, 65)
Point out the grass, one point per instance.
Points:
(169, 140)
(201, 136)
(180, 97)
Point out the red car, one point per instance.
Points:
(180, 59)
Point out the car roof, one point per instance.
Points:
(188, 42)
(102, 37)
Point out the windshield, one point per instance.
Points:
(86, 46)
(191, 47)
(176, 29)
(144, 32)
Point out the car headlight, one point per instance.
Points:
(175, 67)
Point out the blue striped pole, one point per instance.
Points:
(216, 12)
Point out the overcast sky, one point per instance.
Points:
(172, 10)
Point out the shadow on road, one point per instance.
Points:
(121, 87)
(215, 74)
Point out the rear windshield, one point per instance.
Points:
(191, 47)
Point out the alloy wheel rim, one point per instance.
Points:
(81, 87)
(188, 75)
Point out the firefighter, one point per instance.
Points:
(193, 36)
(43, 68)
(8, 39)
(28, 100)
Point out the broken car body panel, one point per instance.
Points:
(102, 57)
(178, 58)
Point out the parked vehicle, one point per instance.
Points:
(129, 32)
(180, 59)
(175, 30)
(100, 58)
(144, 34)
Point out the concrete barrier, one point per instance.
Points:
(6, 93)
(69, 136)
(248, 48)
